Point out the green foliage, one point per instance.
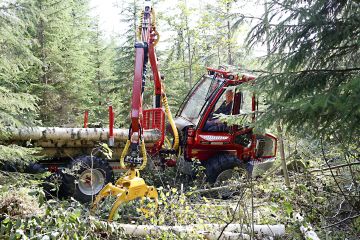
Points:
(124, 62)
(314, 66)
(101, 91)
(59, 221)
(15, 54)
(220, 27)
(16, 155)
(55, 51)
(25, 213)
(60, 33)
(16, 107)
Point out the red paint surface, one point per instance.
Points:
(111, 122)
(86, 118)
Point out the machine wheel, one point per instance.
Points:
(218, 165)
(35, 168)
(220, 169)
(86, 178)
(9, 167)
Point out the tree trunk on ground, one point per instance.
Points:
(209, 231)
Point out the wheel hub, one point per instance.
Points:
(91, 181)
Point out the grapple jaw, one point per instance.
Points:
(127, 188)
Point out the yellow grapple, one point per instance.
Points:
(129, 187)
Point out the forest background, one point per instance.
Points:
(55, 63)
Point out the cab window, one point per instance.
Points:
(223, 106)
(198, 97)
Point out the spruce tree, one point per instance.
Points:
(103, 56)
(314, 85)
(61, 41)
(17, 106)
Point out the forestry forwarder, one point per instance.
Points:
(197, 134)
(220, 148)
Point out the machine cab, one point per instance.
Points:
(195, 102)
(201, 118)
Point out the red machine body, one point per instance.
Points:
(238, 140)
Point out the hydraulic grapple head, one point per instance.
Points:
(131, 186)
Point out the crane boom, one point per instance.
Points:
(131, 186)
(145, 52)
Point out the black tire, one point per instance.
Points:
(80, 168)
(9, 167)
(224, 164)
(219, 164)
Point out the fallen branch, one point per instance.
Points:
(345, 219)
(334, 167)
(230, 205)
(216, 189)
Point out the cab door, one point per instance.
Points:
(243, 137)
(213, 136)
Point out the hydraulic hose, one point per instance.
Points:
(140, 25)
(123, 154)
(143, 151)
(126, 149)
(172, 122)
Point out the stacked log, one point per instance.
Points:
(64, 142)
(73, 134)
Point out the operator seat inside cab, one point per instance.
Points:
(231, 102)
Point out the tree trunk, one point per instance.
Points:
(230, 60)
(189, 60)
(73, 134)
(282, 154)
(209, 231)
(188, 47)
(279, 129)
